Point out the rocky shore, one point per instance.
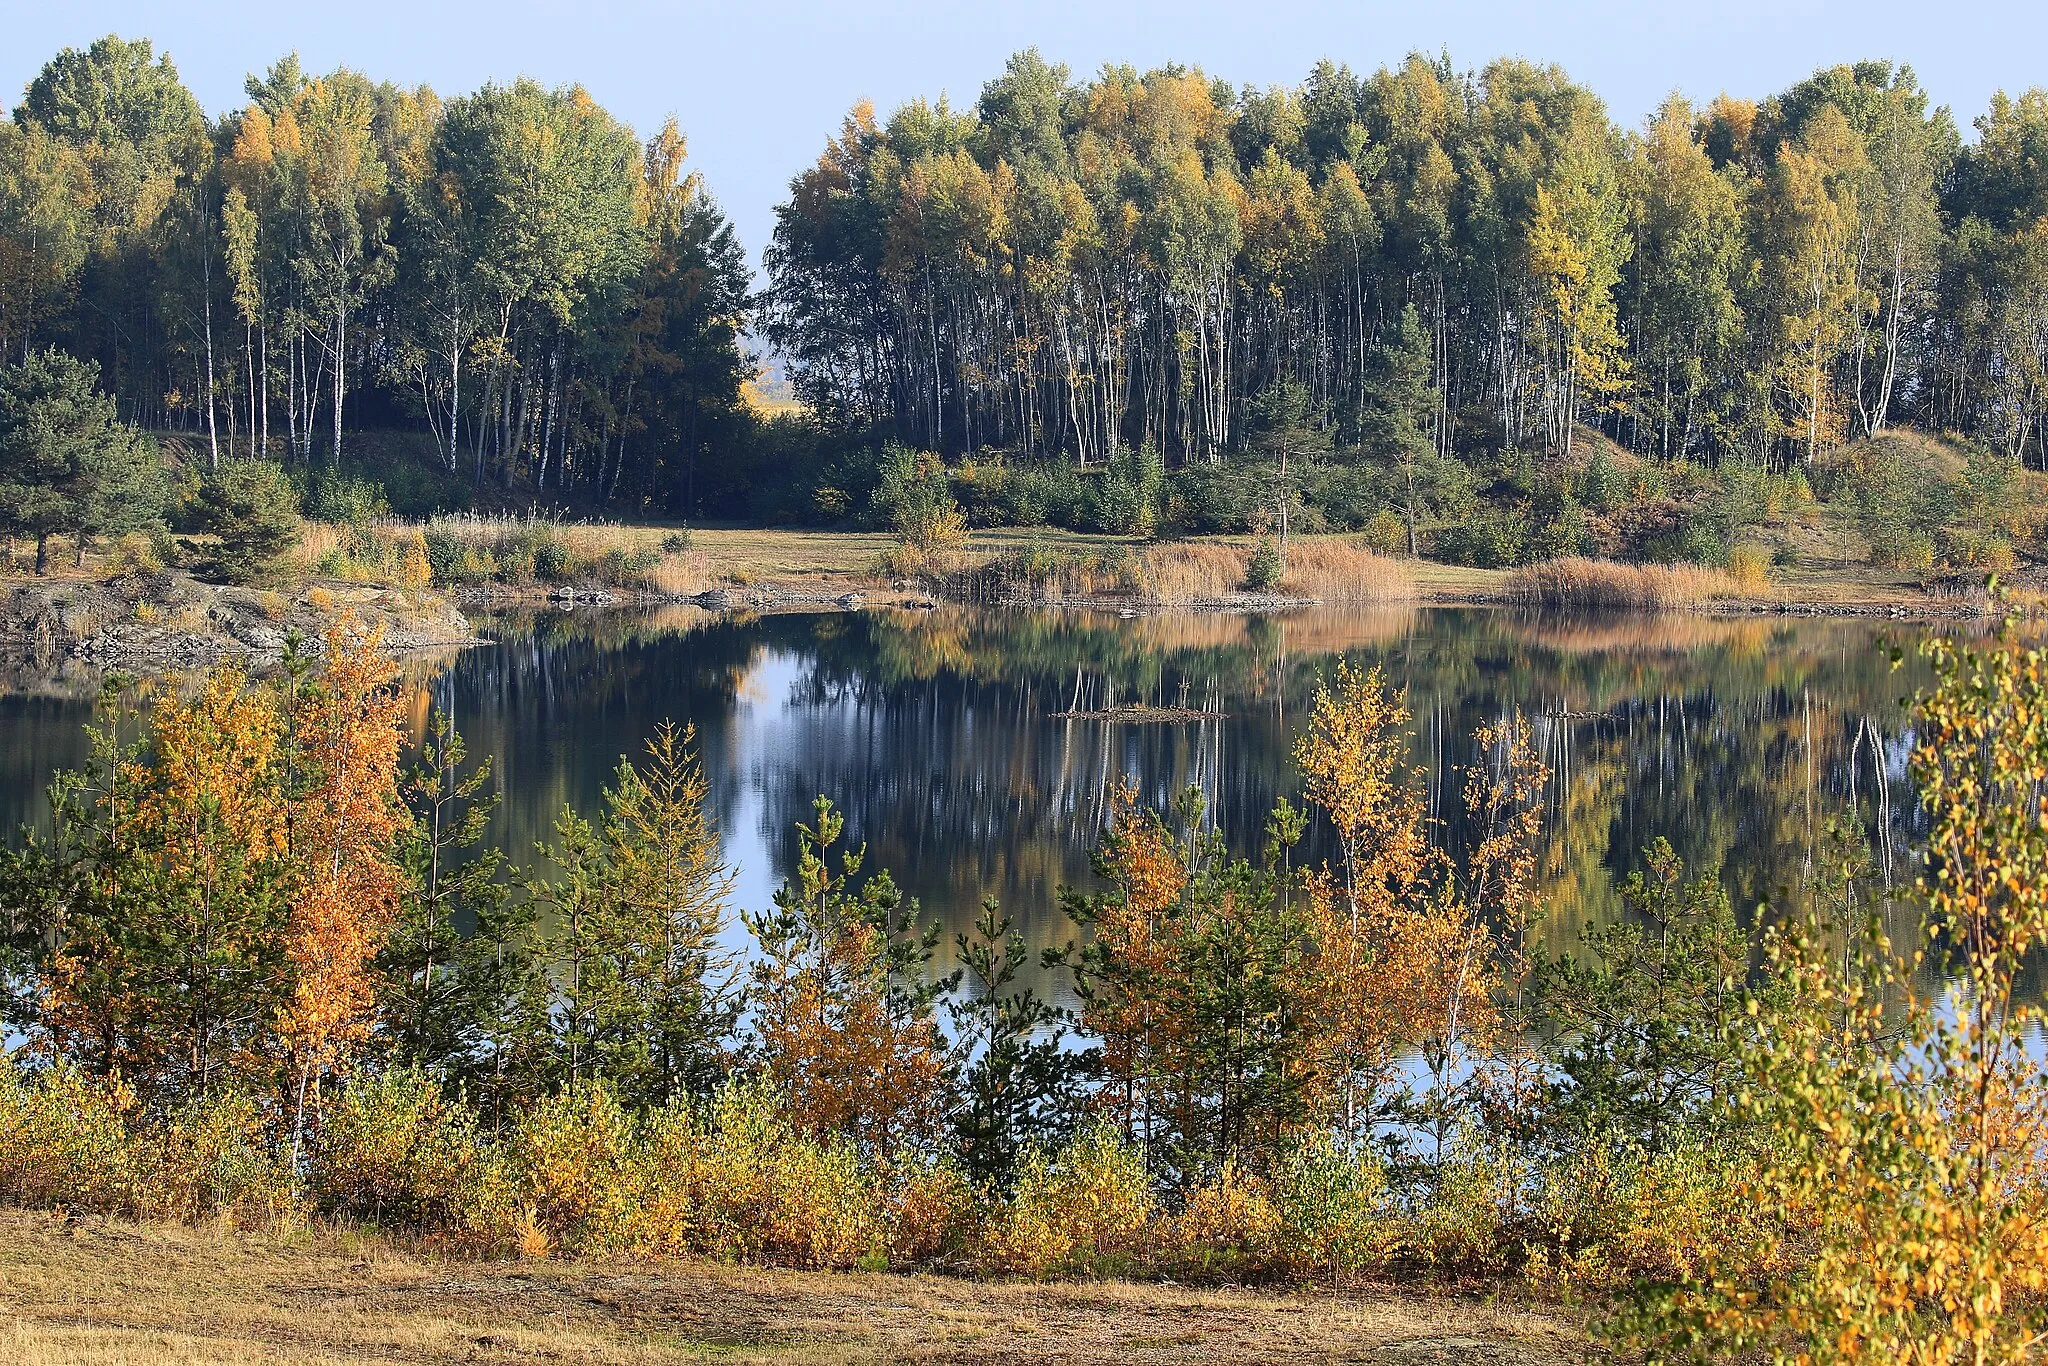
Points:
(164, 621)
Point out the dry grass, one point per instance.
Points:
(97, 1293)
(1190, 571)
(1331, 570)
(1328, 569)
(316, 539)
(1343, 573)
(1605, 584)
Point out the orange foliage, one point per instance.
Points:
(345, 825)
(844, 1026)
(163, 947)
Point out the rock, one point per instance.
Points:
(853, 602)
(716, 600)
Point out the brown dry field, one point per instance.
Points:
(100, 1293)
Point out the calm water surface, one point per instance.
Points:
(937, 732)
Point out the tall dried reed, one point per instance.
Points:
(1607, 584)
(1327, 569)
(1339, 572)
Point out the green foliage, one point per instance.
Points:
(1021, 1088)
(67, 463)
(393, 1150)
(628, 984)
(332, 496)
(457, 956)
(252, 508)
(550, 560)
(1648, 1019)
(1263, 571)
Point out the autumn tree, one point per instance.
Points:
(1905, 1135)
(843, 1000)
(345, 820)
(166, 892)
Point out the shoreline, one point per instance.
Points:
(140, 620)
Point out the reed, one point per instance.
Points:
(1608, 584)
(1343, 573)
(1327, 569)
(1190, 572)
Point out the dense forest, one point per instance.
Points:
(1134, 260)
(513, 270)
(1142, 303)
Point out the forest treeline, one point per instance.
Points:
(1141, 302)
(1133, 260)
(263, 974)
(515, 271)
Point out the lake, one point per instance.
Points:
(938, 732)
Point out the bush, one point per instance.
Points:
(676, 542)
(217, 1159)
(1902, 548)
(1749, 564)
(1497, 541)
(393, 1150)
(415, 568)
(251, 506)
(1387, 533)
(1085, 1209)
(1263, 570)
(550, 560)
(64, 1141)
(570, 1169)
(1985, 551)
(1602, 484)
(1336, 1207)
(1347, 497)
(1205, 500)
(337, 497)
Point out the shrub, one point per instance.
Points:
(550, 560)
(676, 542)
(1206, 500)
(415, 569)
(393, 1150)
(1263, 570)
(1229, 1225)
(1495, 541)
(570, 1169)
(217, 1158)
(1985, 551)
(1602, 484)
(251, 506)
(349, 499)
(1749, 564)
(1347, 496)
(1387, 533)
(1336, 1209)
(64, 1141)
(1085, 1209)
(1119, 508)
(1902, 548)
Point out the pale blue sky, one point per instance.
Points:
(758, 86)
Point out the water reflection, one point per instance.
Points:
(937, 732)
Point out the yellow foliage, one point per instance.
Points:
(1087, 1208)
